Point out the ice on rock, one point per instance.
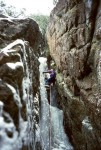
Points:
(52, 132)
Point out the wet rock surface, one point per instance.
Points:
(74, 40)
(20, 40)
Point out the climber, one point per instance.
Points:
(51, 79)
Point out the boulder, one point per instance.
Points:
(20, 42)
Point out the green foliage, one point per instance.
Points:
(2, 3)
(42, 21)
(10, 10)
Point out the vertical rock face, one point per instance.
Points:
(19, 50)
(74, 38)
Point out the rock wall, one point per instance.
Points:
(20, 41)
(74, 38)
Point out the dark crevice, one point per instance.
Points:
(92, 19)
(93, 16)
(76, 88)
(86, 72)
(67, 129)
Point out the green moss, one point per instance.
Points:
(96, 46)
(59, 77)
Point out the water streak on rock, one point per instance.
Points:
(52, 132)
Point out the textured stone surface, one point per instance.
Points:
(75, 41)
(19, 81)
(27, 29)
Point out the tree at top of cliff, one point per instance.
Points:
(10, 10)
